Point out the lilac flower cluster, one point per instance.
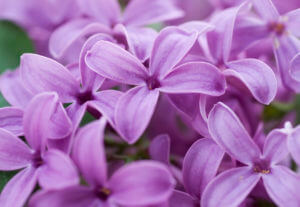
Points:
(176, 114)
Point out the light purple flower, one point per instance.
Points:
(142, 183)
(281, 184)
(51, 168)
(135, 108)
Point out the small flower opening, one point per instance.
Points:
(262, 167)
(153, 83)
(104, 193)
(277, 27)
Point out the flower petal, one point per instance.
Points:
(266, 10)
(295, 67)
(288, 192)
(36, 120)
(134, 111)
(229, 133)
(293, 144)
(148, 12)
(41, 74)
(18, 189)
(77, 196)
(258, 77)
(181, 199)
(160, 147)
(200, 165)
(65, 36)
(89, 143)
(107, 12)
(293, 21)
(13, 90)
(105, 103)
(149, 181)
(58, 171)
(194, 77)
(11, 119)
(275, 147)
(14, 153)
(230, 188)
(169, 48)
(113, 62)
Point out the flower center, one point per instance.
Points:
(277, 27)
(103, 193)
(37, 159)
(262, 167)
(84, 97)
(152, 83)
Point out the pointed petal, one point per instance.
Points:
(113, 62)
(293, 22)
(139, 40)
(89, 143)
(230, 188)
(58, 171)
(66, 35)
(266, 10)
(134, 111)
(285, 48)
(89, 79)
(229, 133)
(13, 89)
(14, 153)
(37, 118)
(148, 12)
(11, 119)
(149, 181)
(275, 147)
(77, 196)
(18, 189)
(220, 39)
(159, 148)
(105, 103)
(41, 74)
(258, 77)
(288, 192)
(107, 12)
(293, 144)
(169, 48)
(181, 199)
(195, 77)
(200, 165)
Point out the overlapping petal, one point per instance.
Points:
(11, 119)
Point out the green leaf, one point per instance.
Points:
(3, 102)
(5, 177)
(13, 43)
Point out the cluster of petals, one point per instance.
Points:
(176, 112)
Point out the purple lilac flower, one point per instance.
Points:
(135, 108)
(51, 168)
(142, 183)
(229, 134)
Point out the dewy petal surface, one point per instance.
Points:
(89, 143)
(57, 171)
(134, 111)
(144, 12)
(200, 165)
(18, 189)
(11, 119)
(111, 61)
(149, 181)
(258, 77)
(230, 188)
(14, 153)
(169, 48)
(41, 74)
(194, 77)
(282, 185)
(229, 133)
